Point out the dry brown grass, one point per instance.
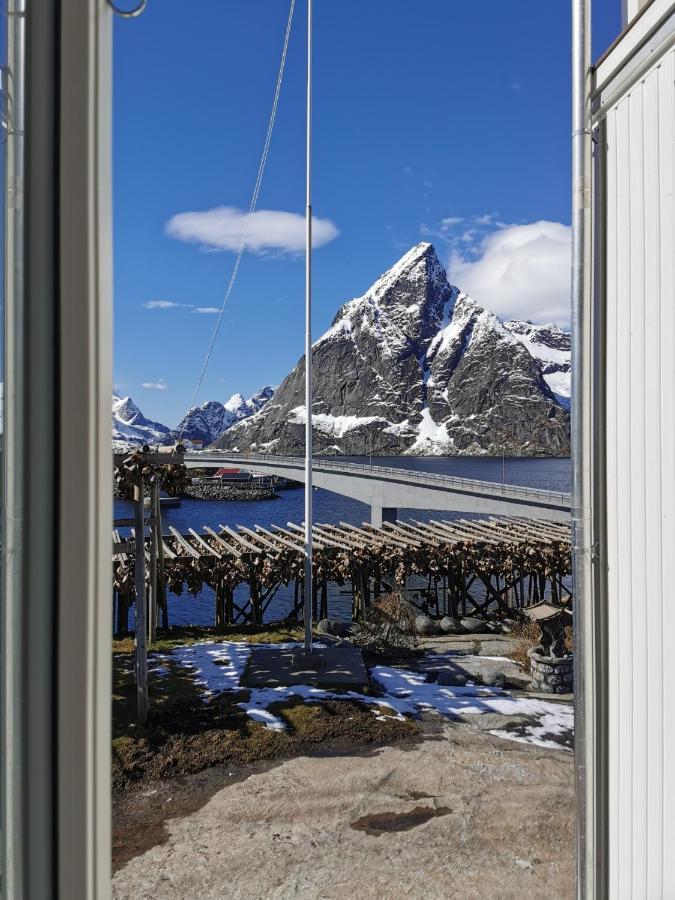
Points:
(525, 634)
(569, 638)
(183, 635)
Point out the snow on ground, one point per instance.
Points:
(218, 667)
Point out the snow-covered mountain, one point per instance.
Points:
(205, 422)
(129, 425)
(211, 419)
(417, 366)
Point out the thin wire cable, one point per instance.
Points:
(251, 210)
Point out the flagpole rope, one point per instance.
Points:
(251, 210)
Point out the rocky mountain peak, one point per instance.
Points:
(402, 310)
(126, 410)
(415, 365)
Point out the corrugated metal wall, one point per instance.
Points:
(638, 167)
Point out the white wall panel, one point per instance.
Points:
(639, 334)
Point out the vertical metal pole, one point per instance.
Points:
(140, 637)
(15, 821)
(581, 447)
(308, 348)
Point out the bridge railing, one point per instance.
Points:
(473, 485)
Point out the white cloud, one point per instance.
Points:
(450, 221)
(520, 271)
(162, 304)
(266, 230)
(169, 304)
(159, 385)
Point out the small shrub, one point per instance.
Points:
(389, 623)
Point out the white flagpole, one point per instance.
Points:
(308, 349)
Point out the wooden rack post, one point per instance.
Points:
(141, 647)
(152, 587)
(161, 579)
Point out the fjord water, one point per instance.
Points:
(550, 474)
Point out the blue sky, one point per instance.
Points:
(437, 120)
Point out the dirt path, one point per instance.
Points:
(461, 813)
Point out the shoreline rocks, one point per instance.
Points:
(211, 490)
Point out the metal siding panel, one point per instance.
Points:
(653, 659)
(624, 755)
(640, 466)
(666, 158)
(612, 431)
(636, 484)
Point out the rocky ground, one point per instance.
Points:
(455, 812)
(359, 795)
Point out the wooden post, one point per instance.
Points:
(140, 636)
(362, 592)
(161, 589)
(464, 591)
(315, 598)
(366, 591)
(355, 598)
(229, 605)
(324, 599)
(255, 598)
(122, 613)
(296, 597)
(217, 619)
(152, 618)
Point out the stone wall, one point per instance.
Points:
(551, 675)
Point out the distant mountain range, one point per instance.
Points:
(209, 421)
(415, 366)
(204, 423)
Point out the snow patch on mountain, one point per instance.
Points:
(335, 426)
(552, 347)
(432, 439)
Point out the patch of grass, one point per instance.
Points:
(186, 733)
(182, 635)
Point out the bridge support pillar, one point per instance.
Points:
(380, 514)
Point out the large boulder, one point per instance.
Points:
(426, 625)
(451, 626)
(472, 625)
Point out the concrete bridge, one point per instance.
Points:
(387, 489)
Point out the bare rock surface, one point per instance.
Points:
(456, 671)
(482, 644)
(460, 814)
